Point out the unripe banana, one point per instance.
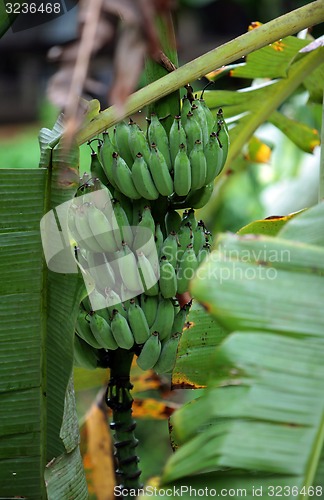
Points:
(170, 248)
(122, 142)
(168, 356)
(101, 271)
(177, 136)
(121, 331)
(150, 352)
(113, 301)
(209, 115)
(144, 236)
(193, 132)
(182, 172)
(156, 134)
(185, 237)
(102, 332)
(205, 250)
(214, 158)
(126, 203)
(185, 109)
(224, 140)
(200, 197)
(138, 142)
(128, 268)
(82, 226)
(187, 267)
(200, 117)
(84, 355)
(158, 238)
(198, 166)
(101, 196)
(168, 279)
(172, 221)
(84, 331)
(99, 302)
(189, 216)
(96, 168)
(123, 177)
(164, 319)
(142, 179)
(180, 319)
(101, 229)
(124, 231)
(106, 152)
(149, 304)
(148, 277)
(199, 237)
(138, 323)
(160, 172)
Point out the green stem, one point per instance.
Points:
(285, 25)
(120, 401)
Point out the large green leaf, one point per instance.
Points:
(260, 422)
(37, 314)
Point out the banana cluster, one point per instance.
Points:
(181, 165)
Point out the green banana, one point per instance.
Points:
(84, 331)
(182, 172)
(172, 221)
(200, 117)
(96, 168)
(126, 203)
(193, 131)
(168, 279)
(189, 216)
(121, 331)
(100, 196)
(150, 352)
(149, 305)
(209, 115)
(156, 134)
(199, 237)
(123, 232)
(138, 322)
(144, 235)
(99, 302)
(113, 301)
(198, 166)
(177, 136)
(148, 277)
(203, 252)
(106, 152)
(82, 227)
(185, 237)
(224, 140)
(127, 265)
(122, 141)
(214, 158)
(170, 248)
(185, 109)
(101, 271)
(101, 229)
(102, 332)
(84, 355)
(123, 177)
(168, 355)
(160, 172)
(164, 319)
(180, 319)
(142, 179)
(200, 197)
(158, 238)
(137, 141)
(187, 267)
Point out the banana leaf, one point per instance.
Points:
(38, 308)
(258, 428)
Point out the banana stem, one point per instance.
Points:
(119, 399)
(288, 24)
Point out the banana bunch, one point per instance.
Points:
(181, 165)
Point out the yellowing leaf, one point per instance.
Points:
(258, 151)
